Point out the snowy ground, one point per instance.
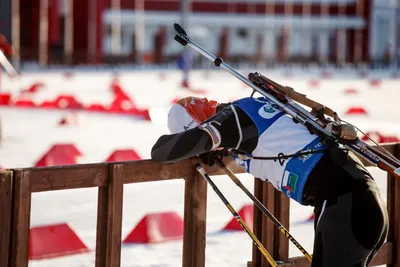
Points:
(28, 133)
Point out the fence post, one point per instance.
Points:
(396, 213)
(282, 212)
(194, 237)
(264, 228)
(268, 227)
(109, 219)
(6, 183)
(257, 222)
(21, 219)
(274, 241)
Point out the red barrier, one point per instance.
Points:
(68, 149)
(96, 108)
(25, 103)
(59, 154)
(374, 135)
(390, 139)
(356, 111)
(68, 102)
(380, 138)
(52, 241)
(116, 88)
(143, 113)
(123, 155)
(48, 104)
(121, 105)
(5, 99)
(157, 228)
(34, 88)
(54, 159)
(246, 213)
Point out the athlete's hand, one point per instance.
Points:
(208, 158)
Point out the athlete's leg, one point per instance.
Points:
(351, 228)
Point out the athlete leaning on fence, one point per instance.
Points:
(351, 219)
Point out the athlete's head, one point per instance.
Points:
(188, 112)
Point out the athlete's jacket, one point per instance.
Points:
(279, 136)
(251, 126)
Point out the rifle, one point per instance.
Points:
(331, 127)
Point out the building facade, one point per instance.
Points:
(95, 31)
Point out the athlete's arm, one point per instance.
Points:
(231, 126)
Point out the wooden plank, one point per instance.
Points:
(195, 211)
(268, 231)
(257, 222)
(6, 183)
(282, 211)
(109, 220)
(21, 219)
(148, 171)
(92, 175)
(384, 256)
(68, 177)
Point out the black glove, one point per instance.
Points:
(208, 158)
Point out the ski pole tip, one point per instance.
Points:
(179, 29)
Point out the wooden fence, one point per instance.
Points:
(16, 186)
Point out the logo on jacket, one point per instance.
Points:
(187, 127)
(268, 110)
(289, 181)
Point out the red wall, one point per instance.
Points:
(218, 7)
(30, 21)
(30, 17)
(81, 30)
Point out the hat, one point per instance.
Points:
(180, 120)
(189, 112)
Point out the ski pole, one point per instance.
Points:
(7, 65)
(264, 210)
(259, 245)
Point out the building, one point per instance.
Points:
(93, 31)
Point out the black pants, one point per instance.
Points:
(351, 227)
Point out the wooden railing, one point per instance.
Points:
(17, 185)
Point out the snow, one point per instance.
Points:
(28, 133)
